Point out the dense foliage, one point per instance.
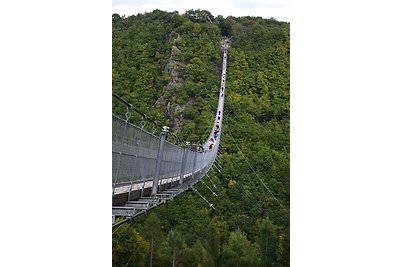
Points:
(168, 65)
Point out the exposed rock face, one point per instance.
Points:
(172, 71)
(175, 81)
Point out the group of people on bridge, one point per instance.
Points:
(216, 132)
(217, 128)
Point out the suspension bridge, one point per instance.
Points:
(148, 170)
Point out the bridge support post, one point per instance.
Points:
(185, 151)
(194, 164)
(163, 137)
(130, 190)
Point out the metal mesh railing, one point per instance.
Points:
(172, 161)
(134, 152)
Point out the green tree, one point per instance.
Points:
(267, 240)
(283, 248)
(152, 230)
(129, 248)
(174, 246)
(197, 255)
(216, 234)
(239, 252)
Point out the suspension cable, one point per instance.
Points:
(144, 116)
(261, 181)
(215, 194)
(210, 205)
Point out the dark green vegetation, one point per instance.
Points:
(168, 65)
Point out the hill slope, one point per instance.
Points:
(168, 65)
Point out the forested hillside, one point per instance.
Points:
(168, 65)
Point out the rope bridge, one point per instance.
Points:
(147, 170)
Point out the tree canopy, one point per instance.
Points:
(169, 65)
